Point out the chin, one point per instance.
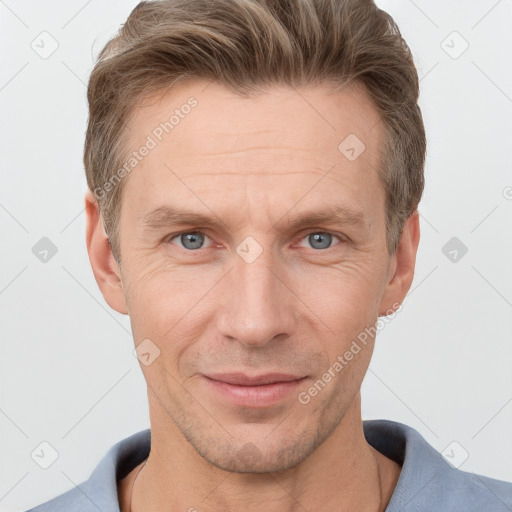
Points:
(261, 455)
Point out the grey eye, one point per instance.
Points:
(320, 240)
(193, 240)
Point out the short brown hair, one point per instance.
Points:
(247, 45)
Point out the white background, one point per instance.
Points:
(68, 375)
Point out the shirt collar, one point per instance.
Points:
(425, 473)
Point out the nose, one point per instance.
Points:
(258, 305)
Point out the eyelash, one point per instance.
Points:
(172, 236)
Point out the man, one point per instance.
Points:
(255, 169)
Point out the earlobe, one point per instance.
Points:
(104, 266)
(402, 266)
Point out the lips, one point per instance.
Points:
(252, 390)
(241, 379)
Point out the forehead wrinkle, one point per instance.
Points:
(249, 173)
(267, 148)
(189, 173)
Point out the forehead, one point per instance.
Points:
(209, 111)
(206, 136)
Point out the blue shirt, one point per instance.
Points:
(426, 483)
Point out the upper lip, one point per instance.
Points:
(241, 379)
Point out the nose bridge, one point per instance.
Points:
(258, 306)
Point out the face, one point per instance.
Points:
(253, 254)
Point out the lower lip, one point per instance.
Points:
(254, 396)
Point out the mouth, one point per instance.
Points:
(253, 391)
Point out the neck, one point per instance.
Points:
(344, 473)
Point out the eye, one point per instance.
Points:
(195, 240)
(320, 239)
(190, 240)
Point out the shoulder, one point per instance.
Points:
(475, 492)
(100, 491)
(427, 482)
(70, 501)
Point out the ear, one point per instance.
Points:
(401, 268)
(104, 266)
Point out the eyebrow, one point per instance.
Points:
(167, 216)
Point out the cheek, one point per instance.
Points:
(345, 300)
(166, 303)
(173, 304)
(153, 285)
(345, 297)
